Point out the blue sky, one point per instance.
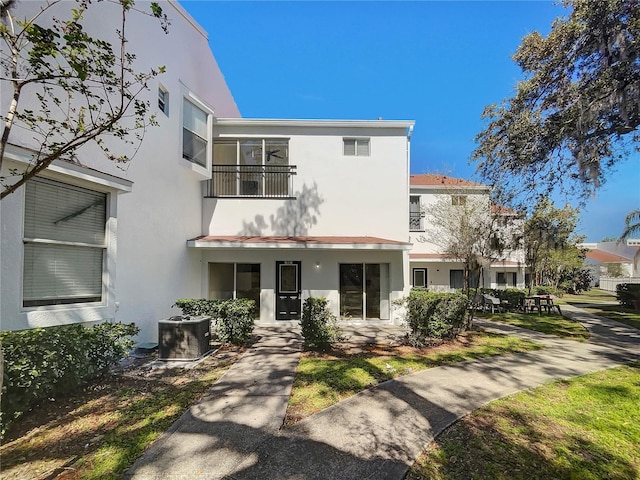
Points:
(438, 63)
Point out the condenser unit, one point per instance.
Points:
(183, 337)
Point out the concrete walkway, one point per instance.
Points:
(234, 432)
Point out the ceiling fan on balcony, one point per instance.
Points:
(273, 153)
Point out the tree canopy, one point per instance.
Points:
(575, 114)
(68, 87)
(551, 243)
(468, 231)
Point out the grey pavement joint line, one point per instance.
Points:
(234, 432)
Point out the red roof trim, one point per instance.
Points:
(418, 256)
(606, 257)
(429, 179)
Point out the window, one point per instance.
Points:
(251, 167)
(356, 147)
(163, 100)
(194, 133)
(416, 215)
(288, 278)
(419, 277)
(235, 280)
(506, 278)
(364, 290)
(474, 279)
(456, 278)
(458, 199)
(64, 244)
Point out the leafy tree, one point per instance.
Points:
(576, 112)
(466, 230)
(614, 270)
(550, 243)
(608, 239)
(576, 280)
(631, 225)
(631, 229)
(68, 87)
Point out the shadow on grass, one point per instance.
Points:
(548, 324)
(507, 443)
(348, 373)
(111, 421)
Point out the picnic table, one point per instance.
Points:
(539, 303)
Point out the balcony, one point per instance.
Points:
(251, 181)
(416, 221)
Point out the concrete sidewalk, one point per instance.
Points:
(377, 434)
(238, 417)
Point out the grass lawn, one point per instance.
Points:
(552, 324)
(592, 302)
(616, 312)
(98, 432)
(323, 379)
(584, 428)
(595, 295)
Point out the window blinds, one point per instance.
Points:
(194, 133)
(64, 243)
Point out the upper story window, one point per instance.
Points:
(416, 214)
(163, 100)
(458, 199)
(195, 133)
(356, 147)
(64, 244)
(251, 167)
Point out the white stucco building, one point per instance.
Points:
(89, 241)
(218, 206)
(612, 263)
(289, 214)
(436, 199)
(212, 205)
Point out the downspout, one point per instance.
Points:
(409, 133)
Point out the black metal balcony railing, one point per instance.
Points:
(258, 181)
(416, 221)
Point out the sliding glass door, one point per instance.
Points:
(364, 290)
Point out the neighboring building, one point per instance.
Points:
(212, 206)
(430, 266)
(612, 260)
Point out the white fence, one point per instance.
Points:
(609, 283)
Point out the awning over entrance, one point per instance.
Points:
(297, 242)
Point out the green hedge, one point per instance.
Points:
(320, 328)
(628, 293)
(49, 362)
(435, 315)
(232, 319)
(546, 290)
(515, 296)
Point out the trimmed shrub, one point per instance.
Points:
(547, 290)
(232, 320)
(49, 362)
(320, 328)
(627, 294)
(436, 315)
